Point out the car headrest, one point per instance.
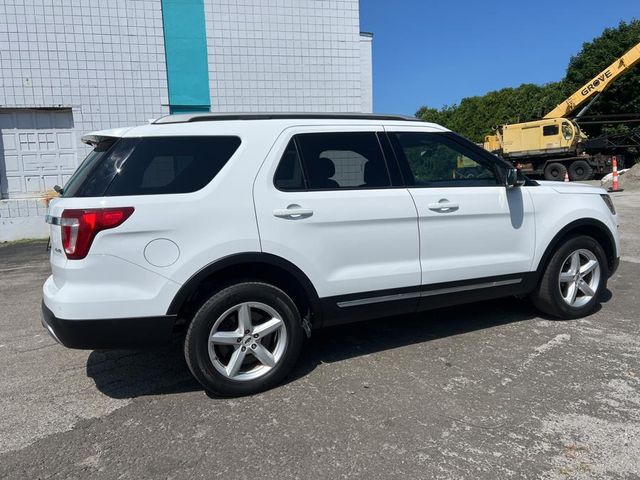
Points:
(325, 168)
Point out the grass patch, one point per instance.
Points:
(24, 241)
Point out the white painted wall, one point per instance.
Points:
(106, 63)
(284, 55)
(366, 72)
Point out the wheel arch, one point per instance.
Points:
(585, 226)
(256, 266)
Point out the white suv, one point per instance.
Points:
(250, 231)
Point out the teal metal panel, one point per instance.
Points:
(185, 44)
(189, 108)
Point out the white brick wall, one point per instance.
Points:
(22, 218)
(366, 72)
(284, 55)
(105, 60)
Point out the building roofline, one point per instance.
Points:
(209, 117)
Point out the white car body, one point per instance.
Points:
(385, 250)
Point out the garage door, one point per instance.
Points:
(37, 150)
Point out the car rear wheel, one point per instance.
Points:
(573, 280)
(245, 339)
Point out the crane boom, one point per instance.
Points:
(598, 84)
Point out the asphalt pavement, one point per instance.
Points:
(483, 391)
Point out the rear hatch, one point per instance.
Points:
(78, 183)
(58, 257)
(121, 173)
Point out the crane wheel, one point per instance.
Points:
(580, 170)
(555, 171)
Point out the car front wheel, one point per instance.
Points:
(245, 339)
(573, 279)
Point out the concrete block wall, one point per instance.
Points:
(23, 218)
(366, 72)
(284, 55)
(104, 60)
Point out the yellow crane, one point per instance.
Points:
(552, 145)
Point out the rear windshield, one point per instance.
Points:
(150, 166)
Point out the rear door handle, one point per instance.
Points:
(293, 211)
(443, 206)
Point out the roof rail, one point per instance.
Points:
(211, 117)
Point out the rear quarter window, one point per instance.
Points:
(153, 166)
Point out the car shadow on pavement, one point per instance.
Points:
(357, 339)
(343, 342)
(133, 373)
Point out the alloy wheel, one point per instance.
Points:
(579, 278)
(247, 341)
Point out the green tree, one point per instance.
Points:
(475, 117)
(624, 95)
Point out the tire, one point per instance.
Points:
(553, 290)
(580, 170)
(260, 306)
(555, 171)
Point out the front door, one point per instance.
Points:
(471, 226)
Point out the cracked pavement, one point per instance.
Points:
(482, 391)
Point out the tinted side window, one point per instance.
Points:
(550, 130)
(156, 165)
(431, 159)
(163, 165)
(343, 160)
(289, 174)
(97, 171)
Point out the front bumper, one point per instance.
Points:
(109, 333)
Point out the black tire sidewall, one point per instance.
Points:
(588, 171)
(555, 166)
(196, 342)
(553, 270)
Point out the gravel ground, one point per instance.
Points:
(484, 391)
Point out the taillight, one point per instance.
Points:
(79, 227)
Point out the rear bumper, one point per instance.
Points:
(109, 333)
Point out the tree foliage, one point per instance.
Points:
(475, 117)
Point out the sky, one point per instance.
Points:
(435, 52)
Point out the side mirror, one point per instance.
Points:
(513, 178)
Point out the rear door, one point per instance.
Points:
(325, 202)
(473, 230)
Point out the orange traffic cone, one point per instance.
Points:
(566, 176)
(615, 186)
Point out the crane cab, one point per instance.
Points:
(547, 136)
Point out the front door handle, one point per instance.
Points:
(443, 206)
(293, 211)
